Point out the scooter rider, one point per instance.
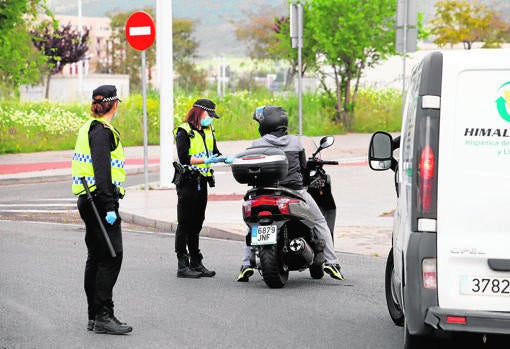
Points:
(273, 124)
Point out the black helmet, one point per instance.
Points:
(271, 118)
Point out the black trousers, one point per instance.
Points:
(191, 205)
(101, 270)
(101, 274)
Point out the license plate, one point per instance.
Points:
(484, 286)
(263, 235)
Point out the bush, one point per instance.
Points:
(40, 126)
(378, 110)
(29, 127)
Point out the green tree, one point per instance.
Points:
(189, 77)
(423, 32)
(20, 61)
(61, 46)
(462, 21)
(267, 37)
(497, 32)
(350, 36)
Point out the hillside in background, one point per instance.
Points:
(214, 30)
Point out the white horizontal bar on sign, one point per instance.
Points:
(139, 31)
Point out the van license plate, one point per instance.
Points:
(484, 286)
(263, 234)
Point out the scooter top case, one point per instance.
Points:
(260, 166)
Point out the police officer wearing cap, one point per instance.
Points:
(196, 150)
(99, 157)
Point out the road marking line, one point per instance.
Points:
(37, 205)
(68, 199)
(36, 211)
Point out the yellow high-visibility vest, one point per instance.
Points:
(82, 160)
(198, 149)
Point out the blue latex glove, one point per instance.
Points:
(212, 159)
(111, 217)
(229, 160)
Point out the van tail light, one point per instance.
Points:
(262, 202)
(426, 168)
(429, 273)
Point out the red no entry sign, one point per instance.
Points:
(140, 30)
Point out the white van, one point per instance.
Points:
(449, 266)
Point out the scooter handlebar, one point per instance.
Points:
(328, 162)
(314, 163)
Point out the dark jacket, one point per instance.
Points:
(102, 142)
(296, 157)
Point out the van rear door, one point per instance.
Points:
(473, 200)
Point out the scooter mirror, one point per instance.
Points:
(327, 142)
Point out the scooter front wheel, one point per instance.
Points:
(274, 273)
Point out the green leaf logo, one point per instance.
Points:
(503, 101)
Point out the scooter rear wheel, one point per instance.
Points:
(274, 273)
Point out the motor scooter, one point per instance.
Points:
(280, 225)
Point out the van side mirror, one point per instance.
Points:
(380, 153)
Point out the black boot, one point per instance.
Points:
(105, 323)
(196, 264)
(183, 269)
(112, 315)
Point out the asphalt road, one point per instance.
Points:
(43, 304)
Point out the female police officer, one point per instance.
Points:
(99, 157)
(197, 150)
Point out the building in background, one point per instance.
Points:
(99, 52)
(77, 80)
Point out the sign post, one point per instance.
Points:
(140, 34)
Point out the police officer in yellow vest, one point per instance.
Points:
(99, 157)
(197, 150)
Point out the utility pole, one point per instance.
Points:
(296, 36)
(166, 88)
(407, 32)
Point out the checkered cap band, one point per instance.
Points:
(202, 107)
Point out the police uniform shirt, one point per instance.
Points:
(102, 142)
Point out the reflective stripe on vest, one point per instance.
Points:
(82, 160)
(198, 149)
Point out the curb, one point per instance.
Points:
(171, 227)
